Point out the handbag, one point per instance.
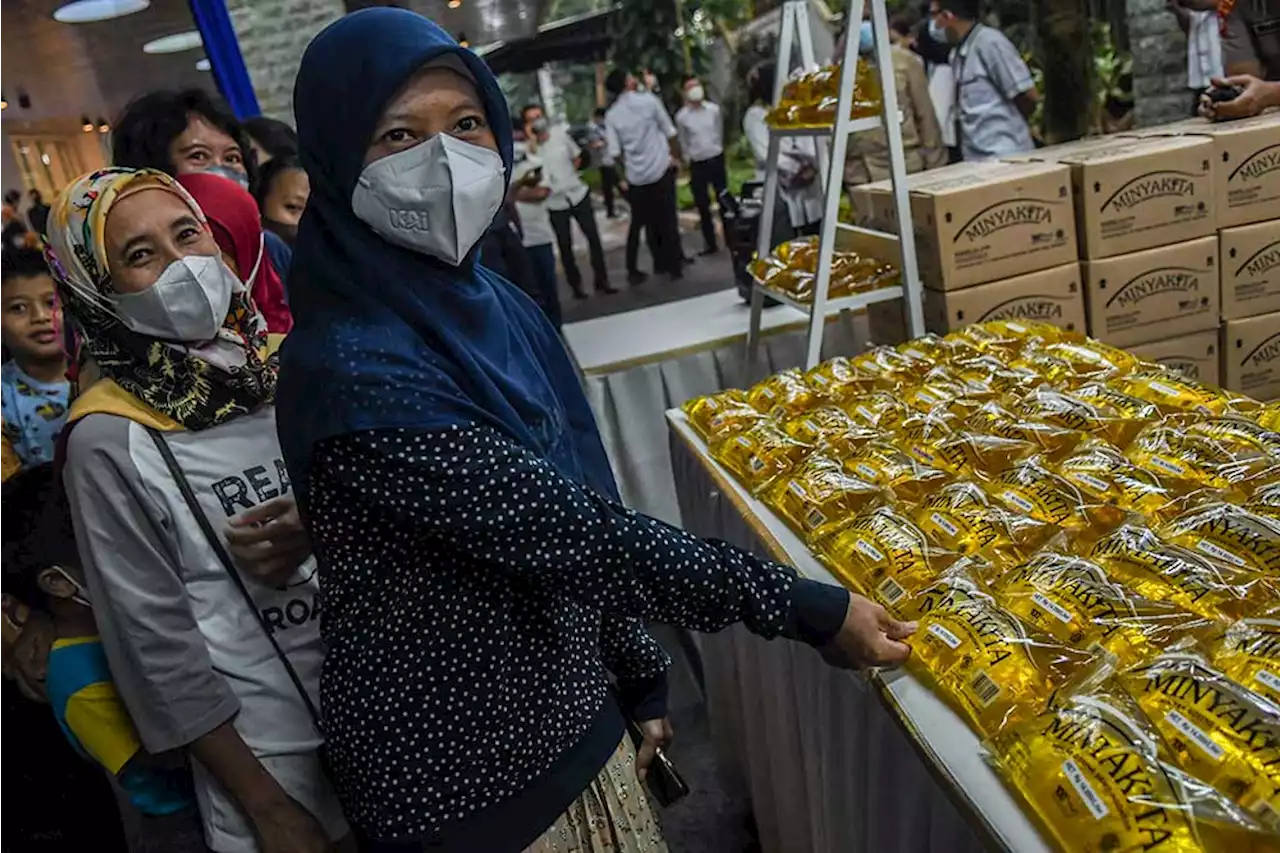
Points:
(224, 558)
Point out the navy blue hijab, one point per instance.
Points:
(385, 337)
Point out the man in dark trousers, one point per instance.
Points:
(700, 128)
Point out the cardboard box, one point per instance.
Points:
(1155, 294)
(1136, 193)
(1051, 296)
(1251, 356)
(1246, 164)
(981, 222)
(1250, 257)
(1196, 356)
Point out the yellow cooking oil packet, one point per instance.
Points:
(1089, 769)
(932, 350)
(883, 554)
(1054, 441)
(836, 379)
(961, 517)
(935, 440)
(824, 423)
(1092, 359)
(881, 410)
(1012, 336)
(1268, 416)
(1266, 501)
(1065, 409)
(1238, 432)
(1136, 557)
(982, 660)
(818, 493)
(1033, 488)
(1097, 468)
(1228, 535)
(1071, 599)
(783, 395)
(1046, 368)
(937, 388)
(720, 414)
(1126, 404)
(993, 377)
(1214, 728)
(887, 465)
(1174, 392)
(1248, 652)
(890, 367)
(759, 454)
(1173, 450)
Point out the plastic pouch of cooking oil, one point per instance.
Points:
(722, 413)
(759, 454)
(1091, 359)
(891, 368)
(1033, 488)
(837, 380)
(818, 493)
(799, 254)
(1268, 416)
(888, 466)
(1229, 535)
(937, 387)
(1071, 599)
(1134, 556)
(818, 424)
(1100, 470)
(764, 269)
(992, 337)
(988, 375)
(982, 660)
(1028, 332)
(881, 410)
(960, 517)
(1174, 392)
(883, 554)
(1248, 652)
(1239, 433)
(1175, 451)
(1126, 404)
(1053, 441)
(1090, 771)
(783, 395)
(1214, 728)
(1266, 501)
(1062, 408)
(798, 284)
(932, 350)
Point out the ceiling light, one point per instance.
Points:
(175, 43)
(85, 124)
(454, 4)
(103, 127)
(203, 64)
(85, 11)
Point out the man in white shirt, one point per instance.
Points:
(643, 139)
(530, 191)
(569, 199)
(700, 129)
(1198, 20)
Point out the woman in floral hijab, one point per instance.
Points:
(195, 385)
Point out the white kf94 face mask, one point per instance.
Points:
(188, 302)
(437, 197)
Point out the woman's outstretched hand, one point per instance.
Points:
(269, 541)
(868, 637)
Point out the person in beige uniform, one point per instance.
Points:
(868, 157)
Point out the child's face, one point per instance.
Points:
(30, 308)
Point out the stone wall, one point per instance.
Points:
(1159, 63)
(273, 35)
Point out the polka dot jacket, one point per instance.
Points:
(475, 601)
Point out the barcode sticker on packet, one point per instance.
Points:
(942, 522)
(870, 550)
(1204, 546)
(1048, 604)
(1168, 466)
(744, 441)
(1162, 388)
(890, 590)
(818, 379)
(944, 635)
(796, 489)
(815, 518)
(1267, 678)
(1016, 327)
(711, 404)
(778, 412)
(1092, 801)
(756, 464)
(915, 353)
(1092, 481)
(927, 397)
(1196, 735)
(1019, 501)
(867, 471)
(767, 393)
(985, 690)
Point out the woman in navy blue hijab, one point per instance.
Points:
(483, 586)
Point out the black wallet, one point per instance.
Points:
(665, 783)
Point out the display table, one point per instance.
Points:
(833, 761)
(638, 364)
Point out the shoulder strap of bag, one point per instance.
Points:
(189, 497)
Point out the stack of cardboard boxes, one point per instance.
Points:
(1178, 235)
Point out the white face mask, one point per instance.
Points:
(937, 32)
(437, 197)
(188, 302)
(696, 94)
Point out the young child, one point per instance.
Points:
(33, 381)
(88, 708)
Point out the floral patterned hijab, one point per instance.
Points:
(197, 385)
